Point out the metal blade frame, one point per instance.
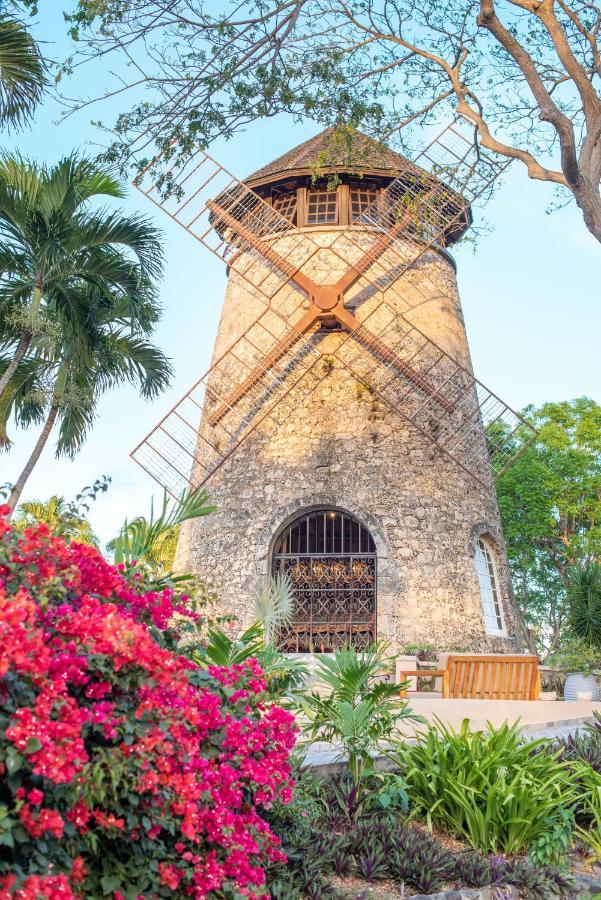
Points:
(268, 222)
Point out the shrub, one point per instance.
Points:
(590, 833)
(128, 771)
(576, 655)
(490, 788)
(359, 712)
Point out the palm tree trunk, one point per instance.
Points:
(22, 348)
(35, 455)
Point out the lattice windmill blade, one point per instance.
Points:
(247, 234)
(229, 219)
(271, 254)
(191, 442)
(454, 412)
(431, 205)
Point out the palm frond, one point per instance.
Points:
(22, 73)
(137, 540)
(273, 604)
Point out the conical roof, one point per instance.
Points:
(364, 155)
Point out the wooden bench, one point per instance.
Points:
(480, 677)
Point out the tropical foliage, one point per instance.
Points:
(127, 770)
(149, 544)
(354, 706)
(222, 649)
(490, 788)
(58, 514)
(77, 300)
(22, 73)
(550, 503)
(273, 605)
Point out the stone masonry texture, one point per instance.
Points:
(344, 448)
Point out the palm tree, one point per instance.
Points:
(102, 345)
(60, 517)
(151, 543)
(52, 245)
(22, 73)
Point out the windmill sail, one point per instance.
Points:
(271, 368)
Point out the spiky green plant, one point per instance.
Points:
(584, 599)
(273, 605)
(354, 707)
(150, 543)
(490, 788)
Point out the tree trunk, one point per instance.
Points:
(17, 490)
(22, 348)
(589, 203)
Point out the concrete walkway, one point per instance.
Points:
(549, 717)
(537, 718)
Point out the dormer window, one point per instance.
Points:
(362, 196)
(284, 200)
(322, 206)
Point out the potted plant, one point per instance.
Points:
(578, 659)
(584, 621)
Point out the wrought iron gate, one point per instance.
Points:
(330, 558)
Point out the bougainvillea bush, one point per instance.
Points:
(125, 770)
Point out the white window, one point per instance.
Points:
(489, 589)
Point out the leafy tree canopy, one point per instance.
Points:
(550, 503)
(525, 73)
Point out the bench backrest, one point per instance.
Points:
(493, 677)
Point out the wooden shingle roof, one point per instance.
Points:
(364, 155)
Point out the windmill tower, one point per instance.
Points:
(340, 430)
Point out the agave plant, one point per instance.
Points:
(353, 708)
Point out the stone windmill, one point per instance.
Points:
(340, 429)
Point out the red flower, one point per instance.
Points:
(182, 758)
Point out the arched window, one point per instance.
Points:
(330, 558)
(489, 588)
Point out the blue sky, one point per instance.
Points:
(531, 298)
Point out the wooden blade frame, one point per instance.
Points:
(407, 371)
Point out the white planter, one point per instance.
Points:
(581, 687)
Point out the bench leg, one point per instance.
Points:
(446, 693)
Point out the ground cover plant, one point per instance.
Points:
(127, 771)
(324, 847)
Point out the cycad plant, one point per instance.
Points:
(584, 601)
(354, 707)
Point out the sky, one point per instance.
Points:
(531, 295)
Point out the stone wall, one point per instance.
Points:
(343, 448)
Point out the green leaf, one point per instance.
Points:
(32, 746)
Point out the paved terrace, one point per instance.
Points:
(538, 718)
